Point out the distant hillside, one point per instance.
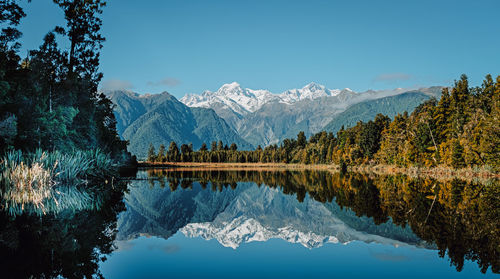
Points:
(367, 110)
(129, 106)
(244, 212)
(263, 118)
(161, 118)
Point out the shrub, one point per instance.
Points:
(36, 179)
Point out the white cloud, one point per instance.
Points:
(116, 84)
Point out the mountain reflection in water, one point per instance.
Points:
(456, 219)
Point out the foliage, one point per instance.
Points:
(49, 100)
(69, 244)
(160, 118)
(368, 110)
(458, 218)
(44, 182)
(460, 130)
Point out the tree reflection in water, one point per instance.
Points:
(70, 244)
(462, 218)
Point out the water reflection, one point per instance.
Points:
(69, 244)
(458, 218)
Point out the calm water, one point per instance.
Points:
(263, 224)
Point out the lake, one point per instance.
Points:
(192, 223)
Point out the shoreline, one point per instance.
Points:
(440, 173)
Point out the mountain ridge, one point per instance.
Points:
(273, 117)
(161, 118)
(390, 106)
(247, 213)
(250, 117)
(241, 101)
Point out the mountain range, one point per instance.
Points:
(245, 100)
(248, 213)
(161, 118)
(250, 117)
(262, 118)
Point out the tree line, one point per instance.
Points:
(49, 99)
(460, 129)
(457, 216)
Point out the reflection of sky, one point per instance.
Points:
(182, 257)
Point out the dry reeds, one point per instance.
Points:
(49, 182)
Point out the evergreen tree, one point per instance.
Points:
(151, 153)
(486, 94)
(173, 152)
(203, 147)
(459, 100)
(233, 147)
(442, 117)
(161, 154)
(301, 139)
(185, 148)
(94, 123)
(490, 130)
(369, 139)
(457, 158)
(456, 131)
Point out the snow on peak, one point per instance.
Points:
(230, 88)
(232, 95)
(311, 91)
(245, 100)
(314, 87)
(243, 230)
(233, 84)
(260, 214)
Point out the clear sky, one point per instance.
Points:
(191, 46)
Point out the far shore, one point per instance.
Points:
(440, 173)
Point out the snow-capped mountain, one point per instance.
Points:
(240, 100)
(310, 92)
(244, 230)
(260, 214)
(245, 214)
(245, 100)
(263, 118)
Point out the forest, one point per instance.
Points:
(458, 216)
(49, 99)
(56, 129)
(459, 130)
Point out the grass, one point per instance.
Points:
(43, 182)
(439, 172)
(237, 166)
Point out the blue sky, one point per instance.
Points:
(190, 46)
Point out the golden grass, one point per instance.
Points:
(439, 173)
(34, 180)
(237, 166)
(29, 183)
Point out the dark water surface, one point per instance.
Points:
(265, 224)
